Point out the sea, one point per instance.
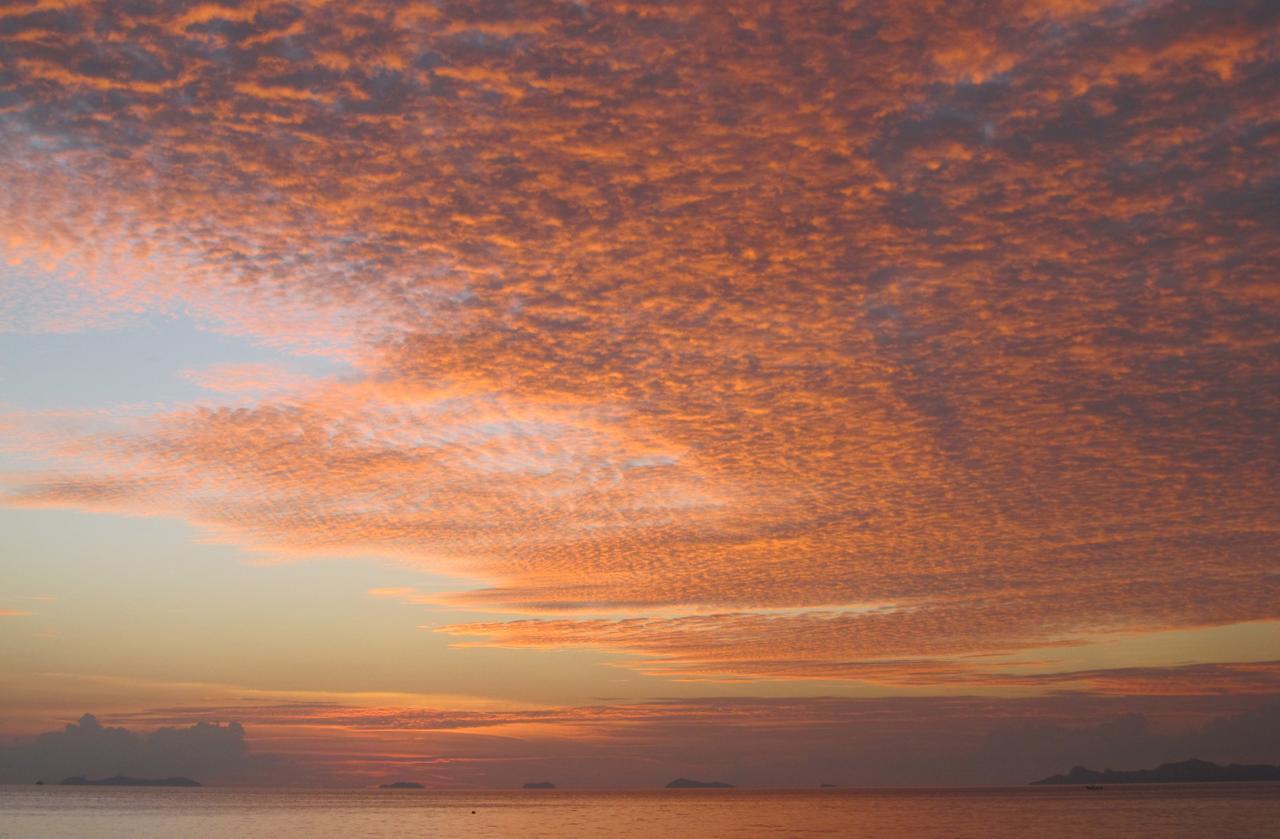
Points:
(1158, 810)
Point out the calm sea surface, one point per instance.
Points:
(1200, 810)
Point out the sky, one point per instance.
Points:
(604, 392)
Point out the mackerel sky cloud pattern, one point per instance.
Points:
(860, 336)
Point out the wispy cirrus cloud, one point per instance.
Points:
(689, 307)
(904, 647)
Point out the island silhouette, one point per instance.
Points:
(539, 785)
(1187, 771)
(126, 781)
(687, 783)
(401, 785)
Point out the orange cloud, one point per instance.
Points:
(689, 309)
(246, 378)
(395, 593)
(907, 647)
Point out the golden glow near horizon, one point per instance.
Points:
(586, 354)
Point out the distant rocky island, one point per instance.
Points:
(686, 783)
(126, 781)
(401, 785)
(539, 785)
(1188, 771)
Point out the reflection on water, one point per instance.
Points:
(1199, 810)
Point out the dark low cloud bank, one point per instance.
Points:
(750, 742)
(934, 743)
(1129, 741)
(204, 751)
(925, 741)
